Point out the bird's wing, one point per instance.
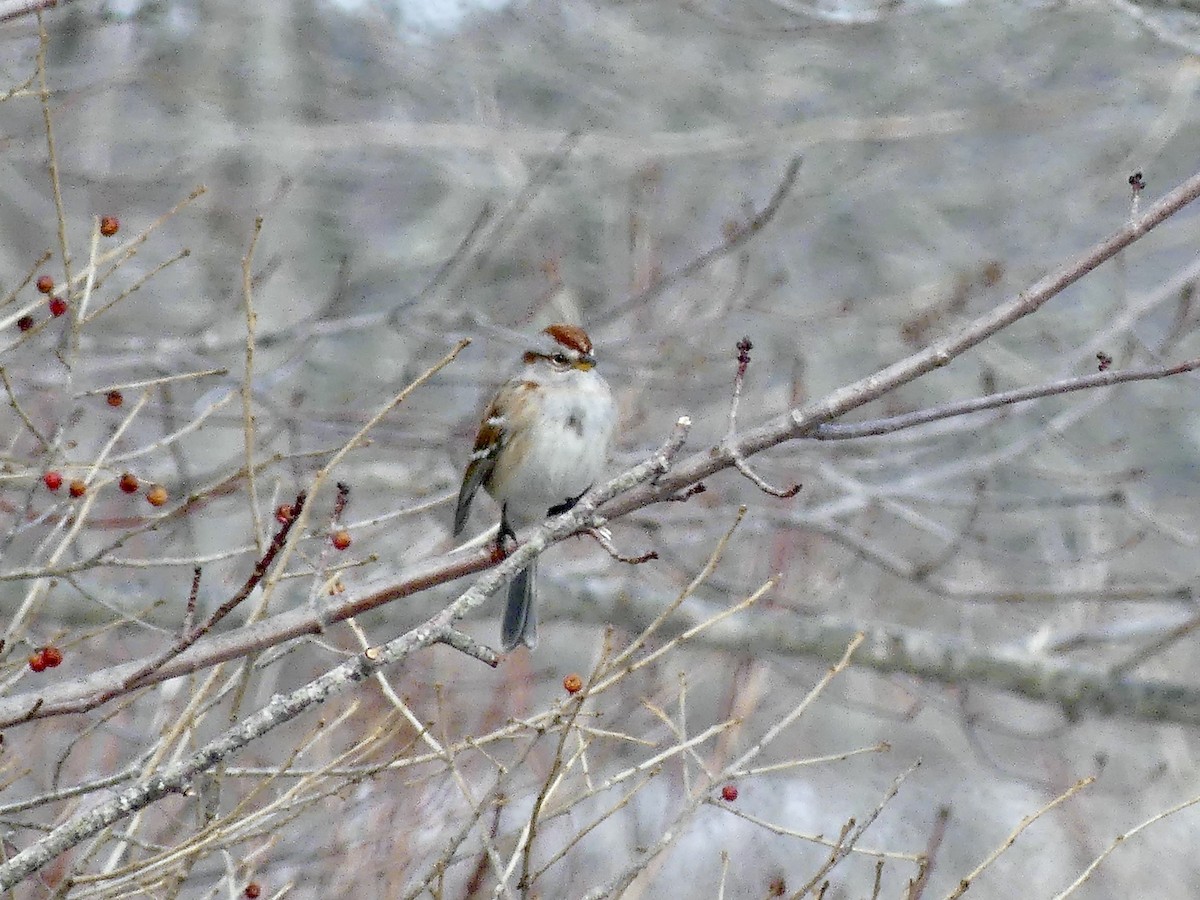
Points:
(483, 460)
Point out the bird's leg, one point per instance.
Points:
(505, 531)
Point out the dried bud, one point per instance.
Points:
(743, 348)
(77, 488)
(157, 495)
(25, 323)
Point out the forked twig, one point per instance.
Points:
(729, 446)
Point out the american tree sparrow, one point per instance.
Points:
(542, 443)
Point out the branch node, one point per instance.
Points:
(464, 643)
(668, 451)
(698, 488)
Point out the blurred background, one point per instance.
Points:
(427, 172)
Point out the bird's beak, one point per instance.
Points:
(585, 363)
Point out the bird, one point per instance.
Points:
(542, 442)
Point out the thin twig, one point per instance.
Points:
(52, 153)
(1121, 839)
(757, 223)
(837, 431)
(525, 882)
(730, 444)
(149, 382)
(189, 615)
(967, 880)
(12, 399)
(126, 251)
(133, 288)
(248, 383)
(89, 285)
(604, 538)
(12, 295)
(917, 886)
(850, 837)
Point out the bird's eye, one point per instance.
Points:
(560, 359)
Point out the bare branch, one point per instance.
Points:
(838, 431)
(757, 223)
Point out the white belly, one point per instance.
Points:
(564, 455)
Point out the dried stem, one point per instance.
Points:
(248, 382)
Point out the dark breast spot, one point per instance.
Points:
(575, 423)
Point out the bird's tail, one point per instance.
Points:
(520, 615)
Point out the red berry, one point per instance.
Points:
(341, 539)
(109, 225)
(37, 661)
(128, 483)
(53, 480)
(157, 495)
(114, 398)
(572, 684)
(77, 488)
(729, 793)
(25, 323)
(252, 890)
(284, 513)
(52, 656)
(45, 284)
(58, 306)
